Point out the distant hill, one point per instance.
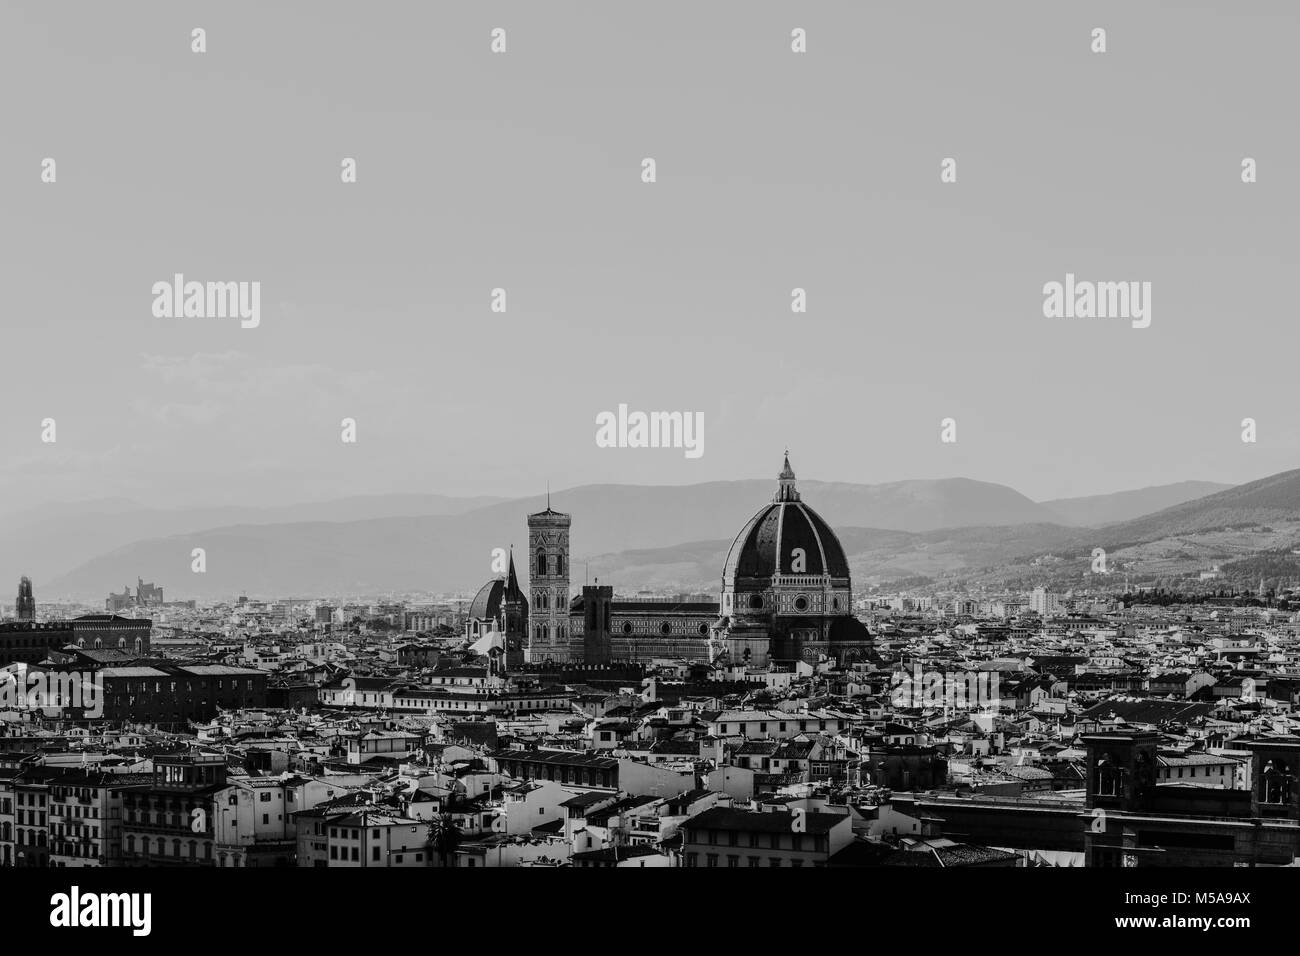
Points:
(1272, 499)
(45, 542)
(452, 551)
(1096, 510)
(658, 537)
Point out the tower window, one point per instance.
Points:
(541, 562)
(559, 564)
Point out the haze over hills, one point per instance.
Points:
(634, 533)
(1094, 511)
(451, 552)
(1272, 499)
(46, 541)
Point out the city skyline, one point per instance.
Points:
(690, 436)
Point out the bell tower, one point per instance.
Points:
(548, 581)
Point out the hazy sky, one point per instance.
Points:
(522, 171)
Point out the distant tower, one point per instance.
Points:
(548, 580)
(26, 603)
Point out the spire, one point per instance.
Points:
(512, 581)
(786, 490)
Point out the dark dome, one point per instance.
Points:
(487, 603)
(766, 545)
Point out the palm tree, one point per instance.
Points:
(444, 836)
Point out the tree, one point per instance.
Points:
(444, 836)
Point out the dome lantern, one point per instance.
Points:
(786, 490)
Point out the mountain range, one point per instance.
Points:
(632, 536)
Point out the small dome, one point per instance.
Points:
(487, 603)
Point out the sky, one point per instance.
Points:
(522, 171)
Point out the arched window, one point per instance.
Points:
(559, 564)
(1277, 781)
(541, 562)
(1109, 777)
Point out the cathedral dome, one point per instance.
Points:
(786, 537)
(487, 603)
